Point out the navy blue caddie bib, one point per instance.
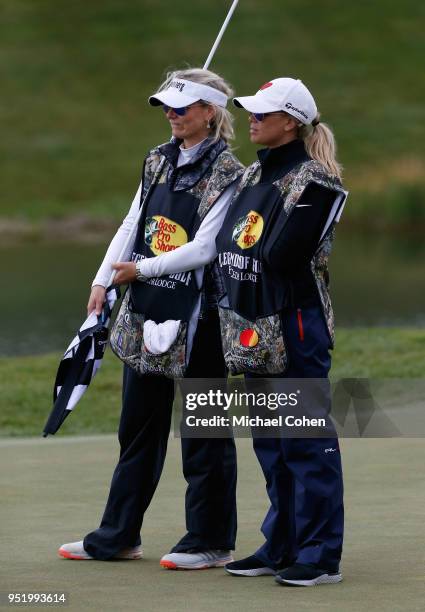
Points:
(254, 290)
(169, 221)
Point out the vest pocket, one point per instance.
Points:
(171, 363)
(127, 334)
(127, 343)
(255, 347)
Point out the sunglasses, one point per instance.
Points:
(182, 110)
(262, 116)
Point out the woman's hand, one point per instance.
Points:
(96, 299)
(126, 272)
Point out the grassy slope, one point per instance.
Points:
(75, 78)
(27, 382)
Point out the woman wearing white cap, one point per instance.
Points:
(172, 287)
(277, 320)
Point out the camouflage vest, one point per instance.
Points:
(256, 344)
(170, 218)
(179, 202)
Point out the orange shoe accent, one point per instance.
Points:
(168, 565)
(172, 566)
(67, 555)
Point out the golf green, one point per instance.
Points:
(54, 490)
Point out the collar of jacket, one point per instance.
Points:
(186, 176)
(277, 162)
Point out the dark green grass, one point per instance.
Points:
(76, 76)
(26, 382)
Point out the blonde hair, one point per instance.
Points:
(320, 145)
(222, 122)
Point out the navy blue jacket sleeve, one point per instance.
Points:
(296, 244)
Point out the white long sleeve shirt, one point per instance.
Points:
(193, 255)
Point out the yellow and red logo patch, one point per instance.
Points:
(248, 337)
(163, 235)
(247, 230)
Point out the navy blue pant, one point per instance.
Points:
(209, 465)
(305, 521)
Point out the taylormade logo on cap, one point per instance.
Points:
(290, 106)
(284, 94)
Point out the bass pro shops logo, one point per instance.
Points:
(163, 235)
(247, 230)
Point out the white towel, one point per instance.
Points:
(158, 337)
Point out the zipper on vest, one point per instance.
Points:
(300, 325)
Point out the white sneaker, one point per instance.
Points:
(196, 561)
(75, 550)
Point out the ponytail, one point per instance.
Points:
(320, 145)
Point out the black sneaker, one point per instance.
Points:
(251, 566)
(306, 575)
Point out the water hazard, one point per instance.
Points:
(374, 281)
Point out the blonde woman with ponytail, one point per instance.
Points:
(277, 322)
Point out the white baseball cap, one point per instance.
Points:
(286, 94)
(181, 92)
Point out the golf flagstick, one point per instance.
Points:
(220, 34)
(161, 166)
